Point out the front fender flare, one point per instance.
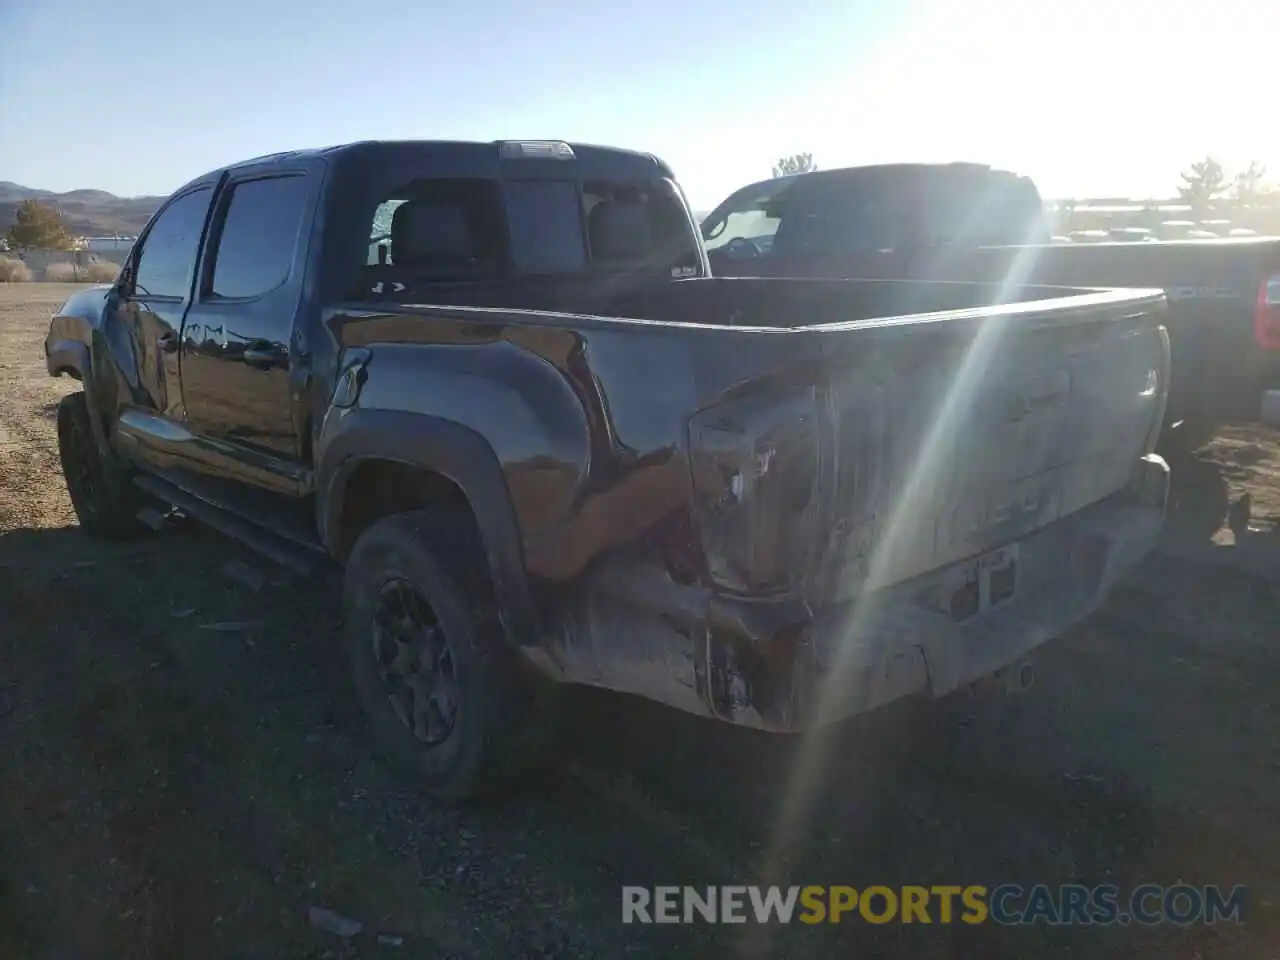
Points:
(454, 451)
(72, 356)
(68, 356)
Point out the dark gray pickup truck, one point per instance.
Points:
(495, 383)
(968, 222)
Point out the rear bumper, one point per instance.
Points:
(853, 657)
(783, 666)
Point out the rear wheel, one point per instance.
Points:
(446, 697)
(104, 499)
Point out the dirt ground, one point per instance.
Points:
(172, 790)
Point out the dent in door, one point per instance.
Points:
(147, 326)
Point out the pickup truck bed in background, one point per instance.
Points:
(962, 222)
(772, 501)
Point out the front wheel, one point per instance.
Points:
(446, 697)
(104, 500)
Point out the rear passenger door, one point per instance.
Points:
(240, 355)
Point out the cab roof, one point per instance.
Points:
(484, 154)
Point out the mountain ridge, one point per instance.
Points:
(89, 212)
(86, 212)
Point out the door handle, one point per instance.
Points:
(263, 355)
(167, 342)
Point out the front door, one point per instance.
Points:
(238, 352)
(146, 312)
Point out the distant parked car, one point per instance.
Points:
(1223, 314)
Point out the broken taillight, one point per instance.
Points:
(755, 465)
(1266, 318)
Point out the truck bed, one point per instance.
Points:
(777, 302)
(990, 411)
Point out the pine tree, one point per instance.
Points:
(38, 226)
(796, 163)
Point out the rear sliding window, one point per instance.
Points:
(544, 223)
(453, 231)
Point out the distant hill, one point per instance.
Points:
(87, 213)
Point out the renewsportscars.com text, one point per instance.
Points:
(1007, 904)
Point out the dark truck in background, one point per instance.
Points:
(969, 222)
(494, 382)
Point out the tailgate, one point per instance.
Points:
(941, 447)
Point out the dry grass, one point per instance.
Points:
(100, 271)
(14, 271)
(63, 273)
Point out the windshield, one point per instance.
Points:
(749, 219)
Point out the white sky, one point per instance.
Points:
(1087, 97)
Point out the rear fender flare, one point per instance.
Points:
(454, 451)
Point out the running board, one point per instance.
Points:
(286, 552)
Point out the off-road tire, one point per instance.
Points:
(104, 498)
(504, 718)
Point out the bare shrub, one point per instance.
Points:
(14, 271)
(62, 273)
(101, 271)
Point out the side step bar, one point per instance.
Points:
(286, 552)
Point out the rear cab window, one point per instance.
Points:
(544, 227)
(458, 230)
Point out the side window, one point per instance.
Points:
(840, 219)
(259, 236)
(167, 256)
